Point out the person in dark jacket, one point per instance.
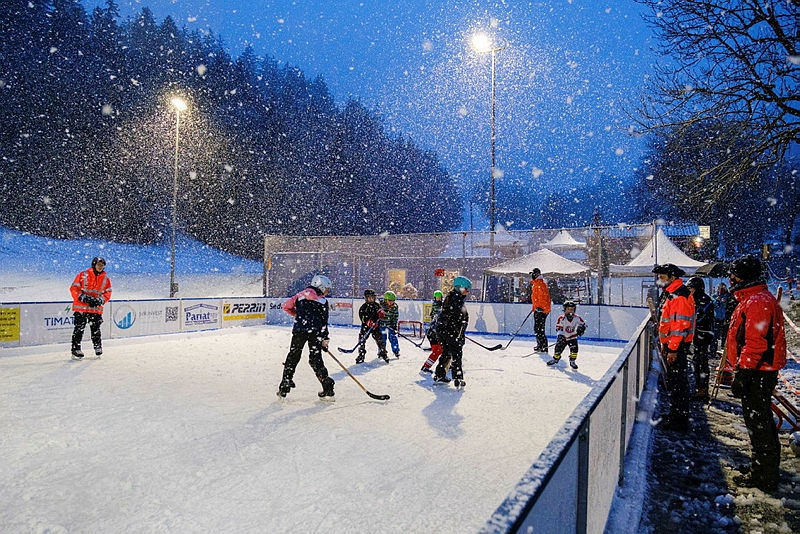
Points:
(721, 315)
(450, 327)
(370, 314)
(756, 348)
(703, 336)
(310, 311)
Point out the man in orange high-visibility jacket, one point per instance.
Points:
(676, 321)
(90, 290)
(540, 304)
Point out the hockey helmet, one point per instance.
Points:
(437, 294)
(389, 295)
(462, 281)
(321, 282)
(748, 268)
(98, 259)
(570, 304)
(669, 269)
(697, 284)
(369, 293)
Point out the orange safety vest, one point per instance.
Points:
(88, 283)
(677, 318)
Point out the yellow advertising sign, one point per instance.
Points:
(9, 324)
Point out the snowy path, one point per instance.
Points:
(184, 433)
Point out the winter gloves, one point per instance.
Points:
(93, 302)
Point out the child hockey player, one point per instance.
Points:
(370, 314)
(389, 323)
(569, 327)
(450, 327)
(310, 311)
(436, 345)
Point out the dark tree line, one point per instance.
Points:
(88, 141)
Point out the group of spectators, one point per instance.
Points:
(748, 323)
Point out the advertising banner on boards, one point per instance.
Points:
(200, 314)
(250, 311)
(143, 317)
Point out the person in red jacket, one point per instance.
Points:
(540, 304)
(676, 320)
(756, 346)
(90, 290)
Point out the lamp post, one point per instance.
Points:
(180, 105)
(482, 43)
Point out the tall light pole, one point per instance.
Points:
(180, 105)
(482, 43)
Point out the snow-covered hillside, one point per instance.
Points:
(37, 268)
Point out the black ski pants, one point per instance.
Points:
(678, 385)
(452, 353)
(299, 340)
(757, 412)
(94, 320)
(702, 351)
(376, 335)
(539, 324)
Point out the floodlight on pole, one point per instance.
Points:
(482, 43)
(180, 105)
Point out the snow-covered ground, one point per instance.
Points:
(184, 433)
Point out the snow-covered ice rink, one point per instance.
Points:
(184, 433)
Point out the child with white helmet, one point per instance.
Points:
(310, 311)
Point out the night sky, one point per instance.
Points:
(566, 81)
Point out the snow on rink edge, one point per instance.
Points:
(184, 432)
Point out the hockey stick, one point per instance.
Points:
(537, 352)
(346, 370)
(518, 329)
(361, 340)
(496, 347)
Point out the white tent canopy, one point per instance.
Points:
(546, 260)
(658, 251)
(563, 240)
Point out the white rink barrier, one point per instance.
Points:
(571, 486)
(39, 323)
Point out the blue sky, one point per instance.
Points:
(567, 78)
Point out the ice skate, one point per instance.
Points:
(327, 389)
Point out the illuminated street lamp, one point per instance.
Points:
(180, 105)
(482, 43)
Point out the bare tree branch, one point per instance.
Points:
(735, 62)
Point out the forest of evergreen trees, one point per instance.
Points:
(87, 146)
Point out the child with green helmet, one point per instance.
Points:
(389, 323)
